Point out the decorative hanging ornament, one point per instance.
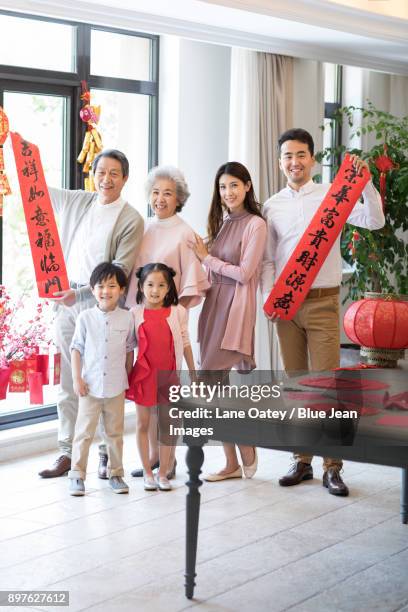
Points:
(4, 184)
(92, 144)
(384, 164)
(354, 239)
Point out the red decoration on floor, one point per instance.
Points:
(57, 368)
(398, 401)
(20, 368)
(43, 367)
(4, 381)
(393, 420)
(35, 385)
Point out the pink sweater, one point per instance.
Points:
(241, 321)
(166, 241)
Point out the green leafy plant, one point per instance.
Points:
(380, 257)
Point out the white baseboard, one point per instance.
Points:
(42, 437)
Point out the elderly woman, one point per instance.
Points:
(167, 236)
(166, 240)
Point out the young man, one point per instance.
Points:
(94, 227)
(312, 337)
(102, 358)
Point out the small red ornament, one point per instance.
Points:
(87, 114)
(384, 164)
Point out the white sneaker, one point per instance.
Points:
(163, 483)
(149, 483)
(118, 485)
(76, 487)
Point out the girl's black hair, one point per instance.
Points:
(168, 273)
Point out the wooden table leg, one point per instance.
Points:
(194, 460)
(404, 496)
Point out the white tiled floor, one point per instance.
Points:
(261, 546)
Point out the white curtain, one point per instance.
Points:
(388, 92)
(260, 110)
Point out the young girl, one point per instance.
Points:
(161, 327)
(232, 255)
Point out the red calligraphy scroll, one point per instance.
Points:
(4, 184)
(49, 264)
(310, 253)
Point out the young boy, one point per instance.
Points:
(101, 359)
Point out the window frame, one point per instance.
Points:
(36, 80)
(330, 109)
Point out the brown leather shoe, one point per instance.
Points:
(61, 467)
(334, 482)
(299, 471)
(103, 467)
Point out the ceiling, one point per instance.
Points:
(369, 33)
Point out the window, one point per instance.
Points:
(128, 57)
(125, 119)
(19, 44)
(332, 129)
(40, 88)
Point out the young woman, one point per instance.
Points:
(232, 255)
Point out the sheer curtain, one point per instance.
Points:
(261, 108)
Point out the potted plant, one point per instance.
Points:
(23, 329)
(379, 258)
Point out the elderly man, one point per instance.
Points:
(94, 227)
(312, 337)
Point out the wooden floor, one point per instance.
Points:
(261, 546)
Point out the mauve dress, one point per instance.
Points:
(216, 308)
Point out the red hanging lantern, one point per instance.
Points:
(379, 323)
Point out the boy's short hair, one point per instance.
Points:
(106, 270)
(297, 134)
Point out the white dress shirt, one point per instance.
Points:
(289, 212)
(89, 243)
(103, 339)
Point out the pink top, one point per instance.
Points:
(166, 241)
(242, 316)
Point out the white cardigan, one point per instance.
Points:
(178, 323)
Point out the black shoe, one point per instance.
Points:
(103, 467)
(138, 472)
(298, 472)
(334, 482)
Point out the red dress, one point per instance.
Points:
(155, 353)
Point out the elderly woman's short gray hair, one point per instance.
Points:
(170, 173)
